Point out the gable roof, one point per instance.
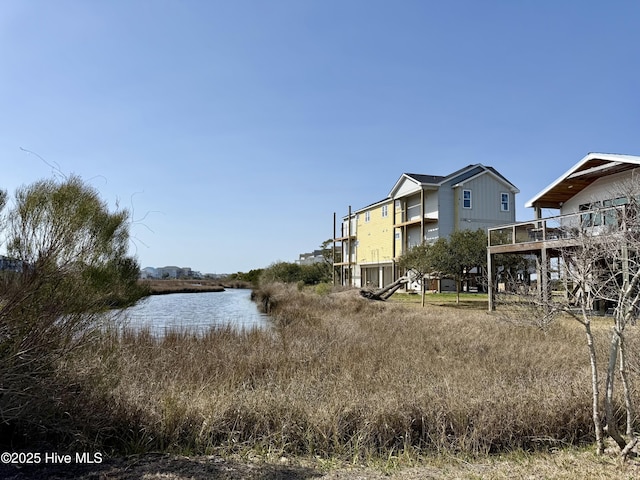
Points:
(457, 177)
(479, 170)
(371, 205)
(426, 179)
(581, 175)
(499, 175)
(461, 172)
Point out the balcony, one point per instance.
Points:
(345, 238)
(556, 232)
(416, 221)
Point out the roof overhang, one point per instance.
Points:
(510, 186)
(368, 207)
(417, 186)
(580, 176)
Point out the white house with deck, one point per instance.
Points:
(585, 196)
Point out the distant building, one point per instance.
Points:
(171, 272)
(317, 256)
(148, 272)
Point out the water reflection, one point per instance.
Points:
(196, 311)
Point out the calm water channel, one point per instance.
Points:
(196, 311)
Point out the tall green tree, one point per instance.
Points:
(456, 256)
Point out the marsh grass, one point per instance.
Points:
(341, 376)
(157, 287)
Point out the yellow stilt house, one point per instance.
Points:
(419, 208)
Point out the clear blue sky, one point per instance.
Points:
(236, 128)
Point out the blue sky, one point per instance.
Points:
(235, 129)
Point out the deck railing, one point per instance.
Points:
(560, 227)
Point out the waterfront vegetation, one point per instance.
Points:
(338, 379)
(165, 286)
(160, 287)
(337, 376)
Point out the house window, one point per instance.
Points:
(385, 211)
(466, 199)
(585, 217)
(504, 202)
(594, 217)
(367, 216)
(612, 214)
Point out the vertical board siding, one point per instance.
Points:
(446, 200)
(486, 209)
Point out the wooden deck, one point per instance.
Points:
(547, 237)
(552, 233)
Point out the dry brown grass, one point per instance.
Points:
(340, 376)
(157, 287)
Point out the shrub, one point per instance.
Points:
(324, 288)
(285, 272)
(69, 253)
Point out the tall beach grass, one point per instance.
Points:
(338, 375)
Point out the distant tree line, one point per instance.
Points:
(291, 272)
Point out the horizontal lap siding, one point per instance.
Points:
(375, 237)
